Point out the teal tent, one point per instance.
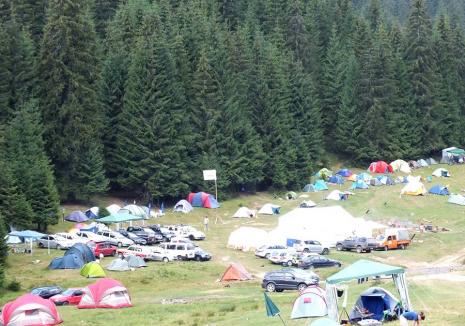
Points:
(362, 269)
(320, 185)
(119, 218)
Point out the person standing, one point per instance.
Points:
(411, 316)
(205, 222)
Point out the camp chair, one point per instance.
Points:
(364, 313)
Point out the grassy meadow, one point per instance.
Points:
(209, 302)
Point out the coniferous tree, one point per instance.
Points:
(30, 14)
(71, 109)
(3, 250)
(104, 10)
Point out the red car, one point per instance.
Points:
(102, 248)
(69, 297)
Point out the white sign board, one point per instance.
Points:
(209, 175)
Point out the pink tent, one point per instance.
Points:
(30, 310)
(105, 293)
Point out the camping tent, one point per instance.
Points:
(385, 180)
(309, 188)
(183, 206)
(380, 167)
(76, 216)
(377, 301)
(325, 322)
(401, 165)
(422, 163)
(413, 164)
(439, 190)
(83, 251)
(247, 238)
(202, 199)
(441, 172)
(70, 261)
(452, 155)
(119, 265)
(353, 177)
(290, 195)
(457, 199)
(244, 212)
(413, 189)
(105, 293)
(375, 182)
(30, 309)
(113, 208)
(135, 261)
(364, 177)
(363, 269)
(337, 195)
(431, 161)
(236, 272)
(344, 173)
(359, 184)
(307, 204)
(269, 209)
(92, 212)
(92, 269)
(324, 173)
(336, 179)
(311, 302)
(134, 210)
(320, 185)
(12, 239)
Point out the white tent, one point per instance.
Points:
(457, 199)
(113, 209)
(412, 179)
(401, 165)
(269, 209)
(244, 212)
(247, 238)
(441, 173)
(134, 210)
(183, 206)
(335, 195)
(311, 302)
(307, 204)
(12, 239)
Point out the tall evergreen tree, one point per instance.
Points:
(104, 11)
(30, 14)
(71, 109)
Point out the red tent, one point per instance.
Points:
(236, 272)
(105, 293)
(202, 199)
(380, 167)
(30, 310)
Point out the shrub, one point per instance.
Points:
(14, 286)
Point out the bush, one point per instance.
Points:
(227, 308)
(102, 212)
(14, 286)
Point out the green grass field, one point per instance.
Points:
(208, 302)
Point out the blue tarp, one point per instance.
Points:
(439, 190)
(27, 234)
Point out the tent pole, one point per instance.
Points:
(279, 315)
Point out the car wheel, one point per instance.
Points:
(359, 249)
(339, 265)
(386, 248)
(267, 256)
(197, 258)
(41, 245)
(120, 244)
(270, 287)
(165, 259)
(65, 303)
(58, 247)
(289, 263)
(306, 250)
(339, 247)
(180, 257)
(279, 290)
(402, 246)
(191, 237)
(301, 287)
(325, 251)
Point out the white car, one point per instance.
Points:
(115, 238)
(54, 241)
(90, 236)
(134, 250)
(160, 254)
(180, 250)
(266, 250)
(191, 233)
(71, 237)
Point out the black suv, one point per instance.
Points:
(47, 292)
(140, 232)
(288, 279)
(361, 244)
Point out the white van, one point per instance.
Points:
(183, 251)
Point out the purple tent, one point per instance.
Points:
(76, 216)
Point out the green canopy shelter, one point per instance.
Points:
(363, 269)
(119, 218)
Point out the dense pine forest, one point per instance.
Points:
(140, 96)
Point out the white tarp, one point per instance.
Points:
(247, 238)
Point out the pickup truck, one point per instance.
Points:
(360, 244)
(394, 239)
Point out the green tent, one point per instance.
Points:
(362, 269)
(119, 218)
(324, 173)
(291, 195)
(92, 270)
(457, 151)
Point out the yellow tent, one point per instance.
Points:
(413, 189)
(353, 177)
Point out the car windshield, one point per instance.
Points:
(68, 292)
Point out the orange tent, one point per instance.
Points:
(236, 272)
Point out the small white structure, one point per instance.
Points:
(113, 209)
(269, 209)
(134, 210)
(307, 204)
(247, 238)
(441, 172)
(183, 206)
(245, 212)
(335, 195)
(401, 165)
(311, 302)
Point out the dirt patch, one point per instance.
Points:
(451, 277)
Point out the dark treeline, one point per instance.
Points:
(140, 96)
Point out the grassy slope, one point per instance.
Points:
(210, 302)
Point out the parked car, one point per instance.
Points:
(71, 237)
(289, 279)
(318, 261)
(104, 248)
(47, 291)
(164, 232)
(132, 236)
(191, 232)
(143, 252)
(202, 255)
(285, 258)
(54, 241)
(140, 232)
(311, 246)
(115, 238)
(267, 250)
(90, 236)
(360, 244)
(71, 296)
(183, 251)
(395, 238)
(160, 254)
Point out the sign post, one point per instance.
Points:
(209, 175)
